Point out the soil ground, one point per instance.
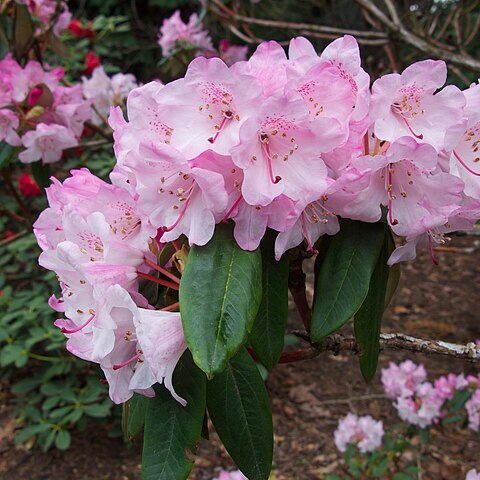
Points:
(308, 398)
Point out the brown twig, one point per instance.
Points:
(14, 238)
(14, 216)
(401, 33)
(337, 343)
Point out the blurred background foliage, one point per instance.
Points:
(52, 391)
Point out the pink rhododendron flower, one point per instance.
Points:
(160, 336)
(472, 475)
(407, 104)
(46, 143)
(231, 54)
(175, 33)
(402, 380)
(106, 91)
(8, 124)
(473, 410)
(234, 475)
(421, 409)
(363, 432)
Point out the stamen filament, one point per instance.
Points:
(464, 165)
(432, 254)
(366, 146)
(393, 221)
(81, 327)
(307, 237)
(130, 360)
(182, 213)
(163, 271)
(416, 135)
(165, 283)
(270, 168)
(213, 139)
(173, 306)
(232, 208)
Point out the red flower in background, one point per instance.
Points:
(81, 32)
(8, 234)
(27, 186)
(92, 61)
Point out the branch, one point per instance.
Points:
(400, 32)
(297, 26)
(337, 343)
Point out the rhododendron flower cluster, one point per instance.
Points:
(105, 91)
(293, 143)
(363, 432)
(420, 403)
(286, 143)
(92, 237)
(175, 34)
(38, 113)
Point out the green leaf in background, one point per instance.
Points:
(133, 415)
(220, 293)
(344, 275)
(239, 408)
(6, 154)
(63, 440)
(41, 173)
(22, 30)
(268, 333)
(368, 319)
(171, 430)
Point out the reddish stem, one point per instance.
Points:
(163, 271)
(151, 278)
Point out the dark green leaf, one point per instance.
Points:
(63, 440)
(459, 400)
(239, 408)
(368, 319)
(41, 173)
(171, 429)
(268, 333)
(134, 415)
(22, 30)
(394, 272)
(220, 294)
(344, 276)
(6, 154)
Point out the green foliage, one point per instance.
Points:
(368, 318)
(55, 392)
(240, 411)
(344, 275)
(217, 325)
(171, 430)
(268, 333)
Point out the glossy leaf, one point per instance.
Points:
(239, 408)
(220, 294)
(268, 333)
(344, 275)
(171, 430)
(133, 418)
(368, 319)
